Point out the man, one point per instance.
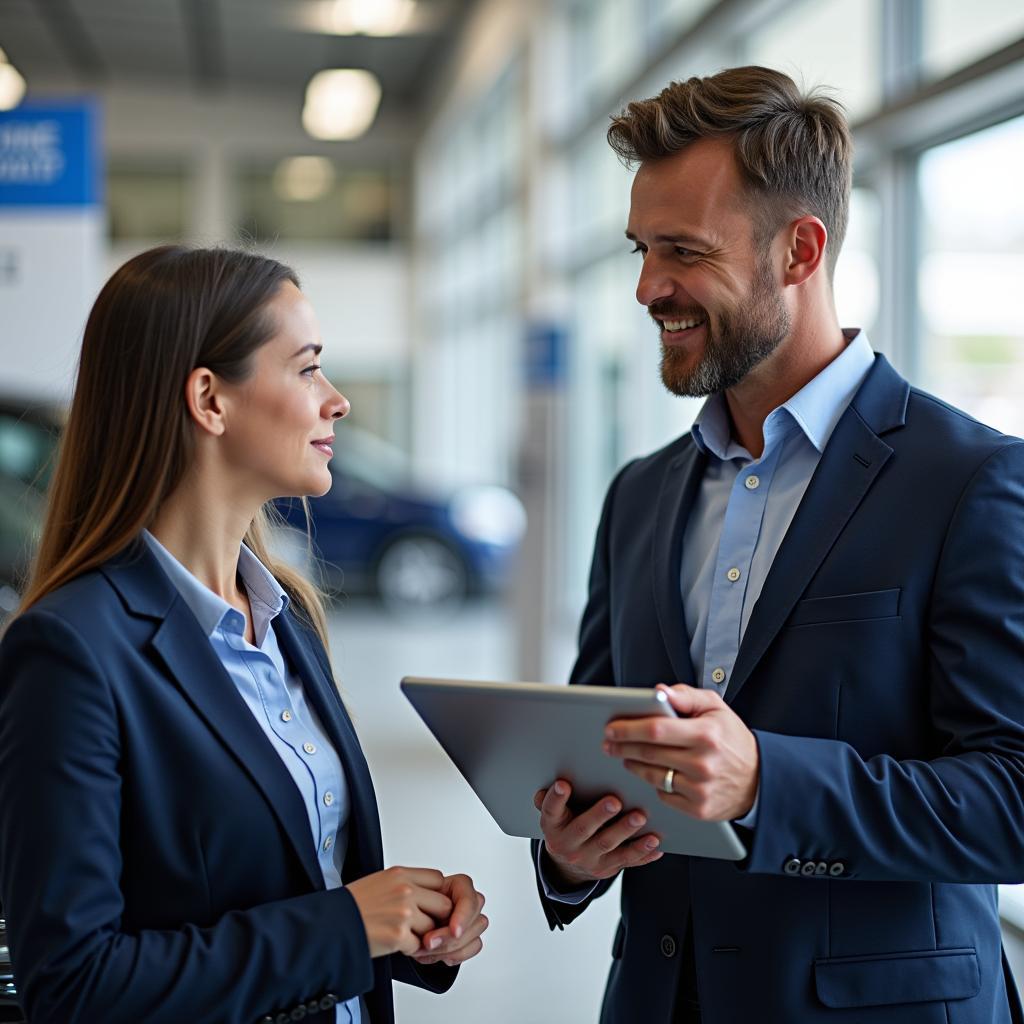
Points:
(830, 570)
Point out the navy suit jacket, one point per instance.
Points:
(156, 863)
(882, 672)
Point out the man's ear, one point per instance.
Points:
(806, 239)
(202, 395)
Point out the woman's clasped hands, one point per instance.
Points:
(431, 917)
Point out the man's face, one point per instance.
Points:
(712, 294)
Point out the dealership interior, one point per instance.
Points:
(459, 232)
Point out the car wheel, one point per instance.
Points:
(416, 571)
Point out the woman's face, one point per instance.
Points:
(280, 420)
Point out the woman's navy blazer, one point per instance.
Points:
(156, 863)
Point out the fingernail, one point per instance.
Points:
(606, 747)
(610, 806)
(609, 734)
(435, 942)
(636, 820)
(457, 931)
(652, 842)
(559, 789)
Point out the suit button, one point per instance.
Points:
(328, 1001)
(837, 869)
(821, 868)
(266, 1020)
(668, 946)
(282, 1018)
(808, 868)
(313, 1006)
(298, 1013)
(792, 866)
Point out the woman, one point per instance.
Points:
(188, 831)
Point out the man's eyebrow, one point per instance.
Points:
(315, 349)
(678, 239)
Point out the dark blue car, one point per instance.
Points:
(376, 531)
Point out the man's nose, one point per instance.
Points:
(654, 283)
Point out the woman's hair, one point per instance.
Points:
(794, 150)
(129, 438)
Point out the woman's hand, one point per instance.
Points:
(401, 905)
(459, 939)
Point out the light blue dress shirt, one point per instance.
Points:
(741, 513)
(274, 695)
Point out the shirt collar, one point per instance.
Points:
(267, 599)
(816, 408)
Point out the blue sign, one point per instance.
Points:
(49, 155)
(545, 355)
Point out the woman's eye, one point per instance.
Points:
(310, 370)
(637, 249)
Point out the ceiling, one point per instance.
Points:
(262, 47)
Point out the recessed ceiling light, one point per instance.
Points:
(341, 103)
(12, 87)
(370, 17)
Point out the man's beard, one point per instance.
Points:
(744, 338)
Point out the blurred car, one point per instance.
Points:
(28, 437)
(376, 531)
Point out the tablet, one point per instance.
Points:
(510, 739)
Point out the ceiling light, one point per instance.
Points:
(12, 87)
(370, 17)
(341, 103)
(303, 179)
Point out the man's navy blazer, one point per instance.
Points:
(156, 862)
(882, 671)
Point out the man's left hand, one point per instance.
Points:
(459, 939)
(714, 755)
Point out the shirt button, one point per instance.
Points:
(718, 675)
(752, 482)
(328, 843)
(328, 798)
(733, 575)
(286, 716)
(309, 748)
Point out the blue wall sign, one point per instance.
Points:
(545, 355)
(49, 155)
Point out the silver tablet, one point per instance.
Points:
(510, 739)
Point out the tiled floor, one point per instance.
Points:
(431, 818)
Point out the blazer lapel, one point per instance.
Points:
(365, 847)
(199, 673)
(678, 491)
(853, 458)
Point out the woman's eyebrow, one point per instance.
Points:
(316, 350)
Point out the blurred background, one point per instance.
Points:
(436, 172)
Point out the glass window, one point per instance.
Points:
(346, 204)
(857, 280)
(792, 42)
(970, 272)
(676, 15)
(956, 33)
(147, 201)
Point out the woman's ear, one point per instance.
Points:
(202, 396)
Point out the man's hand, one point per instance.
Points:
(595, 844)
(713, 753)
(459, 939)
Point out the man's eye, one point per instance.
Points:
(680, 251)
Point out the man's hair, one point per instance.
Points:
(794, 151)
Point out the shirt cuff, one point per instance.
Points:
(572, 898)
(749, 820)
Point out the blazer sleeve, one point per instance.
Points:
(594, 666)
(60, 862)
(959, 817)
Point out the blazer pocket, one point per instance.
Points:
(882, 980)
(877, 604)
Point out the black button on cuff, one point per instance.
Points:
(792, 866)
(299, 1013)
(838, 868)
(668, 946)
